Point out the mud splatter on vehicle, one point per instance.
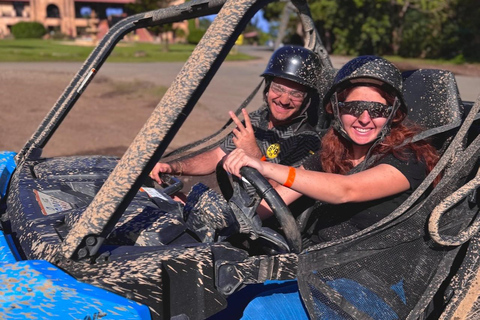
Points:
(93, 237)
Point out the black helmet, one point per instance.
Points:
(370, 70)
(295, 63)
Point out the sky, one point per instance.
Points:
(258, 17)
(262, 23)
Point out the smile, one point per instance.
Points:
(362, 130)
(282, 106)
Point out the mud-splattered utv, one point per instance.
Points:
(84, 237)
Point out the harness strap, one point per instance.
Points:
(230, 275)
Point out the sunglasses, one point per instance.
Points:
(356, 108)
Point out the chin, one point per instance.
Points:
(363, 141)
(282, 118)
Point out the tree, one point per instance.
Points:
(468, 12)
(283, 23)
(422, 28)
(425, 24)
(257, 36)
(148, 5)
(448, 29)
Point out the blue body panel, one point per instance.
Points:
(36, 289)
(7, 165)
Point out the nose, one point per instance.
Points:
(364, 118)
(284, 98)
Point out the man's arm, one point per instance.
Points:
(201, 164)
(205, 163)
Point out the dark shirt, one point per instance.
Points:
(288, 144)
(336, 221)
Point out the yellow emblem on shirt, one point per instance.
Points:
(273, 150)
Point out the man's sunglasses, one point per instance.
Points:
(356, 108)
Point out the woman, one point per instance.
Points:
(367, 165)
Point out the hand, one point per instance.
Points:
(238, 159)
(160, 167)
(245, 135)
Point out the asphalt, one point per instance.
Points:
(233, 82)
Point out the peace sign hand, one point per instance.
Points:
(244, 135)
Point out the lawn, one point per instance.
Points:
(34, 50)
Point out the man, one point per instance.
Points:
(277, 132)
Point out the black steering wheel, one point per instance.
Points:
(245, 208)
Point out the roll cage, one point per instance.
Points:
(158, 275)
(159, 130)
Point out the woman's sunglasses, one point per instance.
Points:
(356, 108)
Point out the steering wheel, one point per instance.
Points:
(245, 208)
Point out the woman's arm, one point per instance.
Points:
(288, 195)
(378, 182)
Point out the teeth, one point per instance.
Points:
(362, 130)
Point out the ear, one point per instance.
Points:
(328, 108)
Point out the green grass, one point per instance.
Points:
(34, 50)
(437, 62)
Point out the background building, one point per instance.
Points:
(73, 18)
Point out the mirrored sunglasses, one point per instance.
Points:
(356, 108)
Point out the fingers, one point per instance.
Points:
(235, 161)
(236, 164)
(154, 173)
(237, 121)
(229, 160)
(159, 168)
(248, 123)
(236, 133)
(240, 126)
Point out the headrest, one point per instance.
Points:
(432, 98)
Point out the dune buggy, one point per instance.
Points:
(90, 237)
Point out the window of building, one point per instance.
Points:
(53, 11)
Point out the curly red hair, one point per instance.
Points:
(336, 152)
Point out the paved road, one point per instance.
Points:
(469, 87)
(233, 83)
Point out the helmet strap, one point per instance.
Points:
(337, 123)
(306, 103)
(388, 124)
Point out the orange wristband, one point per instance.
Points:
(291, 177)
(263, 158)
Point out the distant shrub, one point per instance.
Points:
(56, 34)
(180, 33)
(195, 35)
(459, 59)
(28, 30)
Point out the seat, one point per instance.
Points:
(433, 102)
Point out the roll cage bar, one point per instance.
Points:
(88, 234)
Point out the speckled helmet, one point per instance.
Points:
(369, 70)
(295, 63)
